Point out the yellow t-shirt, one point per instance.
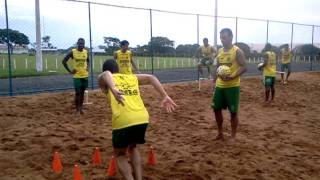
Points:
(228, 58)
(124, 61)
(270, 68)
(79, 62)
(206, 52)
(133, 112)
(285, 56)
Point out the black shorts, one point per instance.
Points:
(122, 138)
(205, 62)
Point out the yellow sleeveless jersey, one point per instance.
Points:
(124, 61)
(206, 52)
(270, 68)
(80, 63)
(133, 112)
(228, 58)
(285, 56)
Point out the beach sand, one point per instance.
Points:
(280, 140)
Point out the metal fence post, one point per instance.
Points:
(198, 41)
(9, 52)
(267, 31)
(310, 59)
(312, 34)
(236, 29)
(91, 56)
(291, 36)
(151, 46)
(215, 22)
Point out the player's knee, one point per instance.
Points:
(132, 147)
(120, 152)
(233, 115)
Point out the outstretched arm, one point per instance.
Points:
(106, 83)
(265, 62)
(167, 102)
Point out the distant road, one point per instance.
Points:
(29, 85)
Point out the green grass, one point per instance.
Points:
(52, 64)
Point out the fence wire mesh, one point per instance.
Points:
(62, 25)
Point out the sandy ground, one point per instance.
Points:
(275, 141)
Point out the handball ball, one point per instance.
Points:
(223, 71)
(260, 65)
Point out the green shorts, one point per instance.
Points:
(122, 138)
(269, 80)
(205, 62)
(286, 66)
(80, 83)
(226, 98)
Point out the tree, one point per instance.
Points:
(16, 37)
(112, 44)
(309, 49)
(46, 39)
(142, 50)
(46, 43)
(282, 46)
(187, 50)
(162, 46)
(275, 49)
(244, 47)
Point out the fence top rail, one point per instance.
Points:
(185, 13)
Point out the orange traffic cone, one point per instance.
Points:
(152, 157)
(96, 159)
(77, 173)
(56, 163)
(112, 167)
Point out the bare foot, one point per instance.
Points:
(77, 113)
(81, 111)
(219, 137)
(270, 102)
(232, 140)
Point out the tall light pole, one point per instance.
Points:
(215, 22)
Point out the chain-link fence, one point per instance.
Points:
(64, 21)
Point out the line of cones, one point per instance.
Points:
(96, 161)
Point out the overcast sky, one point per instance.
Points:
(65, 21)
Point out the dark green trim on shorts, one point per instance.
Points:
(80, 83)
(122, 138)
(226, 98)
(269, 81)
